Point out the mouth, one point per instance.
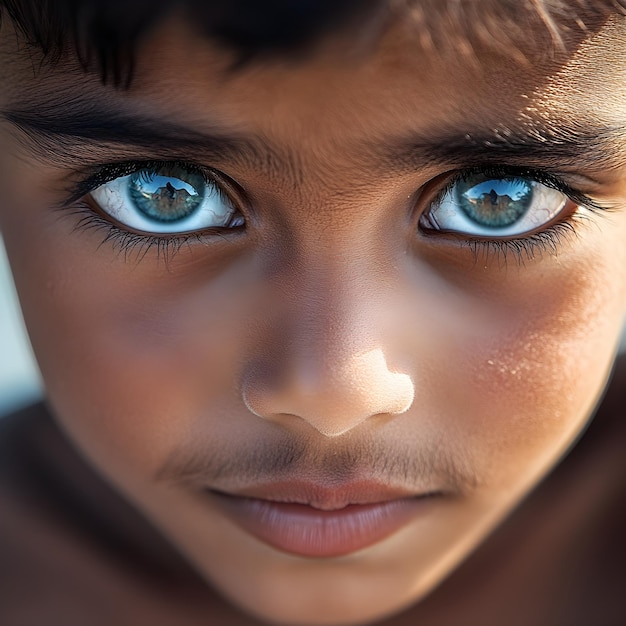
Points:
(309, 520)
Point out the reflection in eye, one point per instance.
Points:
(496, 207)
(168, 200)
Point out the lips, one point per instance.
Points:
(313, 521)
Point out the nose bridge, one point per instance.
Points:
(328, 359)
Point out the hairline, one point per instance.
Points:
(491, 23)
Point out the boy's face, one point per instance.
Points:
(327, 346)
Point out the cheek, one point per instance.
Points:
(137, 356)
(529, 375)
(134, 355)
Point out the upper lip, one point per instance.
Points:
(328, 497)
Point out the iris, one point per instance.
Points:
(494, 203)
(166, 198)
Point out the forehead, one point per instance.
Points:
(430, 37)
(592, 83)
(351, 88)
(462, 78)
(101, 28)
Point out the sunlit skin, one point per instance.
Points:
(333, 325)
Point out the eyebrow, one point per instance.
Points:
(557, 147)
(92, 125)
(56, 132)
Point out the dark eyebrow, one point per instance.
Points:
(55, 130)
(555, 147)
(91, 125)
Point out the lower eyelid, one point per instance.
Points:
(135, 247)
(530, 246)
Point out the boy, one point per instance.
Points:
(320, 292)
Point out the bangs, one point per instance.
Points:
(510, 27)
(105, 34)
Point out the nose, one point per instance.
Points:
(333, 399)
(326, 363)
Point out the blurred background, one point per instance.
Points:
(19, 379)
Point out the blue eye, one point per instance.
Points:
(171, 199)
(496, 207)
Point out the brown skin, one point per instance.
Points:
(555, 562)
(334, 324)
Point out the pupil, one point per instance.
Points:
(166, 198)
(495, 203)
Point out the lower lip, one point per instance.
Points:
(303, 530)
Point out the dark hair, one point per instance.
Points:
(103, 34)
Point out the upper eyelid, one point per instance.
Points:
(541, 176)
(99, 175)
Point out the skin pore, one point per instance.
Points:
(332, 336)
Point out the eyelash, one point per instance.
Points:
(129, 243)
(137, 245)
(528, 246)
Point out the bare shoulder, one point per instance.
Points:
(72, 552)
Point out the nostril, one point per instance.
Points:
(333, 399)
